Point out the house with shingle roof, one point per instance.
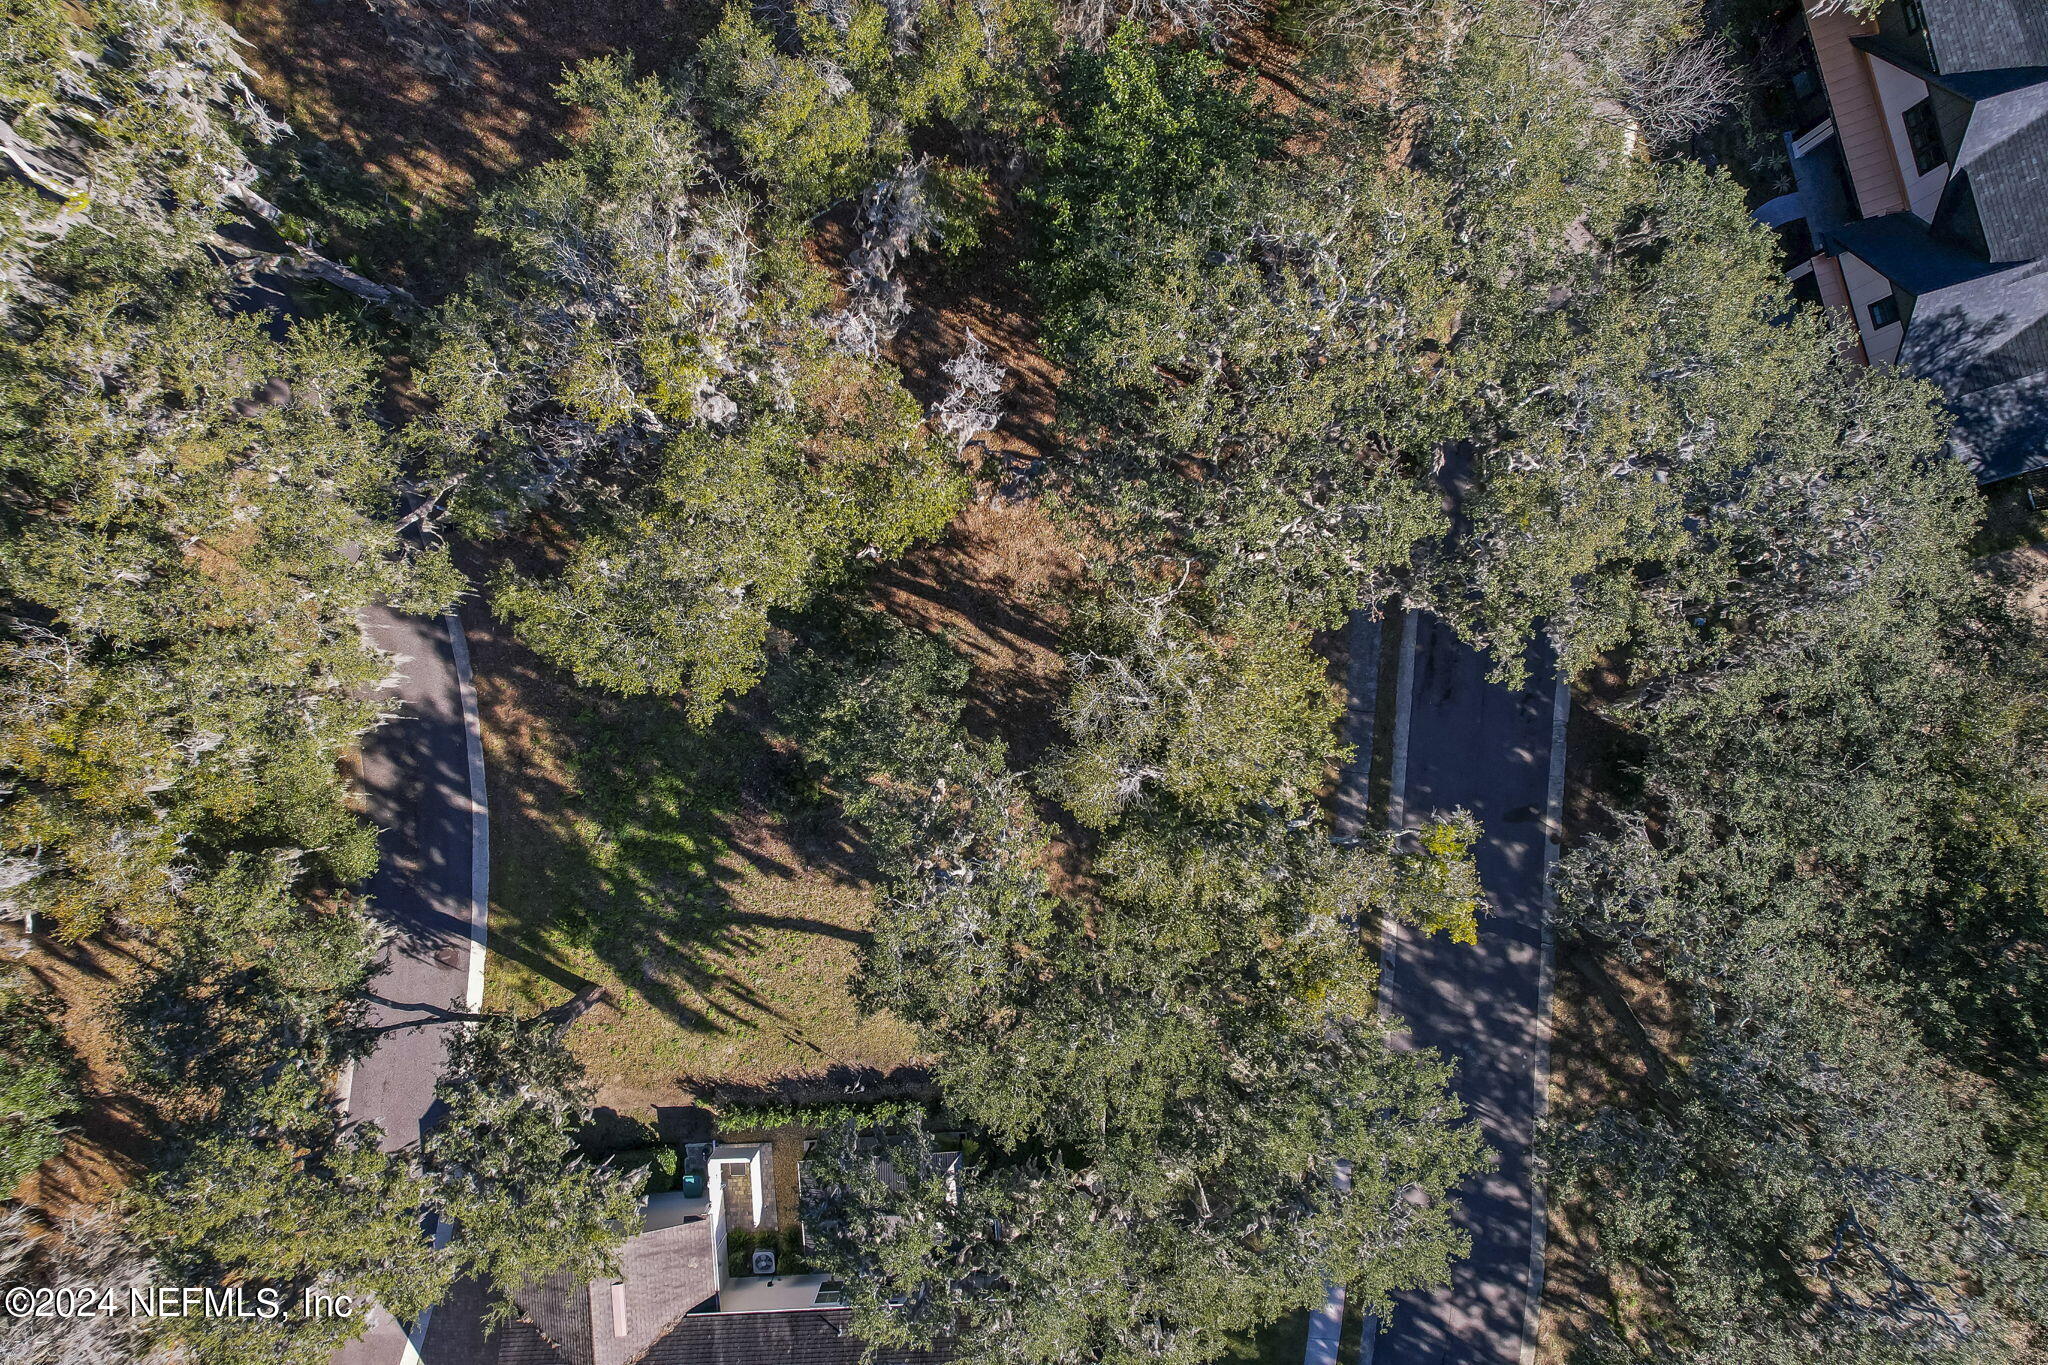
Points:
(697, 1286)
(1923, 191)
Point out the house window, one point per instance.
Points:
(1916, 18)
(1924, 132)
(1885, 311)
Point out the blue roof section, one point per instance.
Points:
(1984, 341)
(1900, 247)
(1977, 330)
(2002, 432)
(1977, 281)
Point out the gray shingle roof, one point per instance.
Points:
(1983, 35)
(665, 1273)
(1976, 329)
(2003, 165)
(1985, 342)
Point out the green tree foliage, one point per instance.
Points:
(633, 362)
(1251, 349)
(1195, 1034)
(1143, 131)
(1656, 459)
(184, 663)
(1169, 703)
(38, 1081)
(299, 1206)
(527, 1207)
(1845, 877)
(1821, 1188)
(127, 123)
(1681, 469)
(1836, 859)
(129, 127)
(1048, 1259)
(820, 108)
(270, 1189)
(88, 1251)
(247, 980)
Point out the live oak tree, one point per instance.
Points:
(1196, 1035)
(1837, 861)
(185, 663)
(276, 1191)
(123, 120)
(1682, 460)
(1043, 1259)
(1248, 347)
(633, 362)
(342, 1219)
(126, 134)
(1172, 700)
(89, 1251)
(251, 981)
(162, 463)
(820, 104)
(38, 1079)
(1816, 1186)
(503, 1158)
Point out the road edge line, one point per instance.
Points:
(479, 809)
(1553, 840)
(479, 897)
(1404, 709)
(1363, 641)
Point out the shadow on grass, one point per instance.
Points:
(621, 834)
(838, 1084)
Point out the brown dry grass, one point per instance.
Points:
(1595, 1060)
(108, 1139)
(328, 66)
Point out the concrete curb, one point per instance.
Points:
(1397, 814)
(1354, 799)
(479, 811)
(1404, 712)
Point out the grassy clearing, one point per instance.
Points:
(632, 851)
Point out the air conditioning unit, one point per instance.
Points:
(764, 1263)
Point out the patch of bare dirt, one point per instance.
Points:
(993, 586)
(2023, 574)
(331, 67)
(105, 1148)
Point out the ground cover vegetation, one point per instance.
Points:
(1449, 320)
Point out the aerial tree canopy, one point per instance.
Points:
(634, 363)
(1167, 1063)
(184, 661)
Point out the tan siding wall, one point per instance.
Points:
(1859, 119)
(1834, 294)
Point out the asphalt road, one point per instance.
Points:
(416, 779)
(1476, 745)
